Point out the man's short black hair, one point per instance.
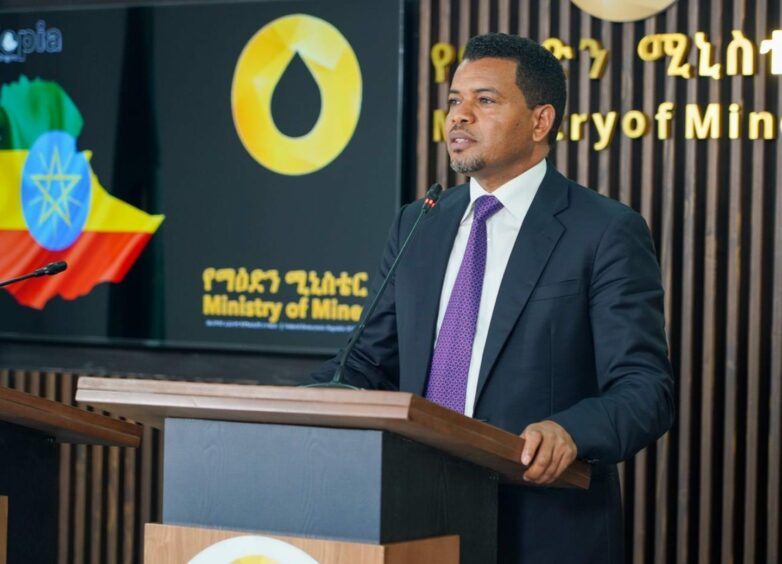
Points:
(538, 73)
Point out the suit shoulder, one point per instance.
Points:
(589, 215)
(596, 206)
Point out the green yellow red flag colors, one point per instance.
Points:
(52, 205)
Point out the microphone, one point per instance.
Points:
(430, 201)
(49, 270)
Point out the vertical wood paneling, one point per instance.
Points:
(503, 16)
(757, 275)
(465, 31)
(484, 16)
(712, 320)
(685, 420)
(717, 152)
(672, 160)
(653, 184)
(628, 194)
(146, 485)
(113, 493)
(424, 110)
(525, 15)
(585, 103)
(626, 103)
(129, 508)
(444, 34)
(607, 100)
(732, 450)
(774, 526)
(623, 62)
(96, 501)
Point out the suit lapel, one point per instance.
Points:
(430, 255)
(536, 240)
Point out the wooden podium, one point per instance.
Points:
(170, 544)
(29, 428)
(369, 467)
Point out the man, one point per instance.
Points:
(531, 303)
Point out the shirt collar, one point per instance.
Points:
(515, 195)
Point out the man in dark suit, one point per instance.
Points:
(529, 302)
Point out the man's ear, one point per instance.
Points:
(543, 119)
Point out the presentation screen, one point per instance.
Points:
(215, 176)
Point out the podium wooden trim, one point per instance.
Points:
(65, 423)
(408, 415)
(170, 544)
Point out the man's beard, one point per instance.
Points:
(467, 164)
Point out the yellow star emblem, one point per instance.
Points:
(55, 188)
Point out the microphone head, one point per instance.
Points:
(432, 195)
(55, 268)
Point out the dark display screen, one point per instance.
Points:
(217, 176)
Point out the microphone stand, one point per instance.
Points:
(430, 201)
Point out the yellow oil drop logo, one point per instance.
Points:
(330, 59)
(623, 10)
(253, 559)
(252, 549)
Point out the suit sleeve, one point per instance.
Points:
(374, 361)
(635, 405)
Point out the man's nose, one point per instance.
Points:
(461, 113)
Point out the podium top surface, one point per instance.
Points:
(67, 424)
(151, 401)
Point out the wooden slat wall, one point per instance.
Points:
(106, 493)
(708, 491)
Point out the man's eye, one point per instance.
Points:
(452, 101)
(485, 100)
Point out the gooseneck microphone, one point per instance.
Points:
(49, 270)
(430, 201)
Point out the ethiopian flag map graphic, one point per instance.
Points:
(52, 205)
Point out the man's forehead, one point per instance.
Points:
(478, 89)
(487, 74)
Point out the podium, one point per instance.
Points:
(366, 467)
(30, 427)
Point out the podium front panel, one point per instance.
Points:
(348, 484)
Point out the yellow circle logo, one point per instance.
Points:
(252, 549)
(623, 10)
(334, 67)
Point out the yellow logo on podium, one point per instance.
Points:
(330, 59)
(252, 549)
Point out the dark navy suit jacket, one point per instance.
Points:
(576, 336)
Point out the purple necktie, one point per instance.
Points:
(451, 361)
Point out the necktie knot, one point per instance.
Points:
(485, 207)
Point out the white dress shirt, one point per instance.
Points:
(501, 230)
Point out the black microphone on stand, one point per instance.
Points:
(430, 201)
(49, 270)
